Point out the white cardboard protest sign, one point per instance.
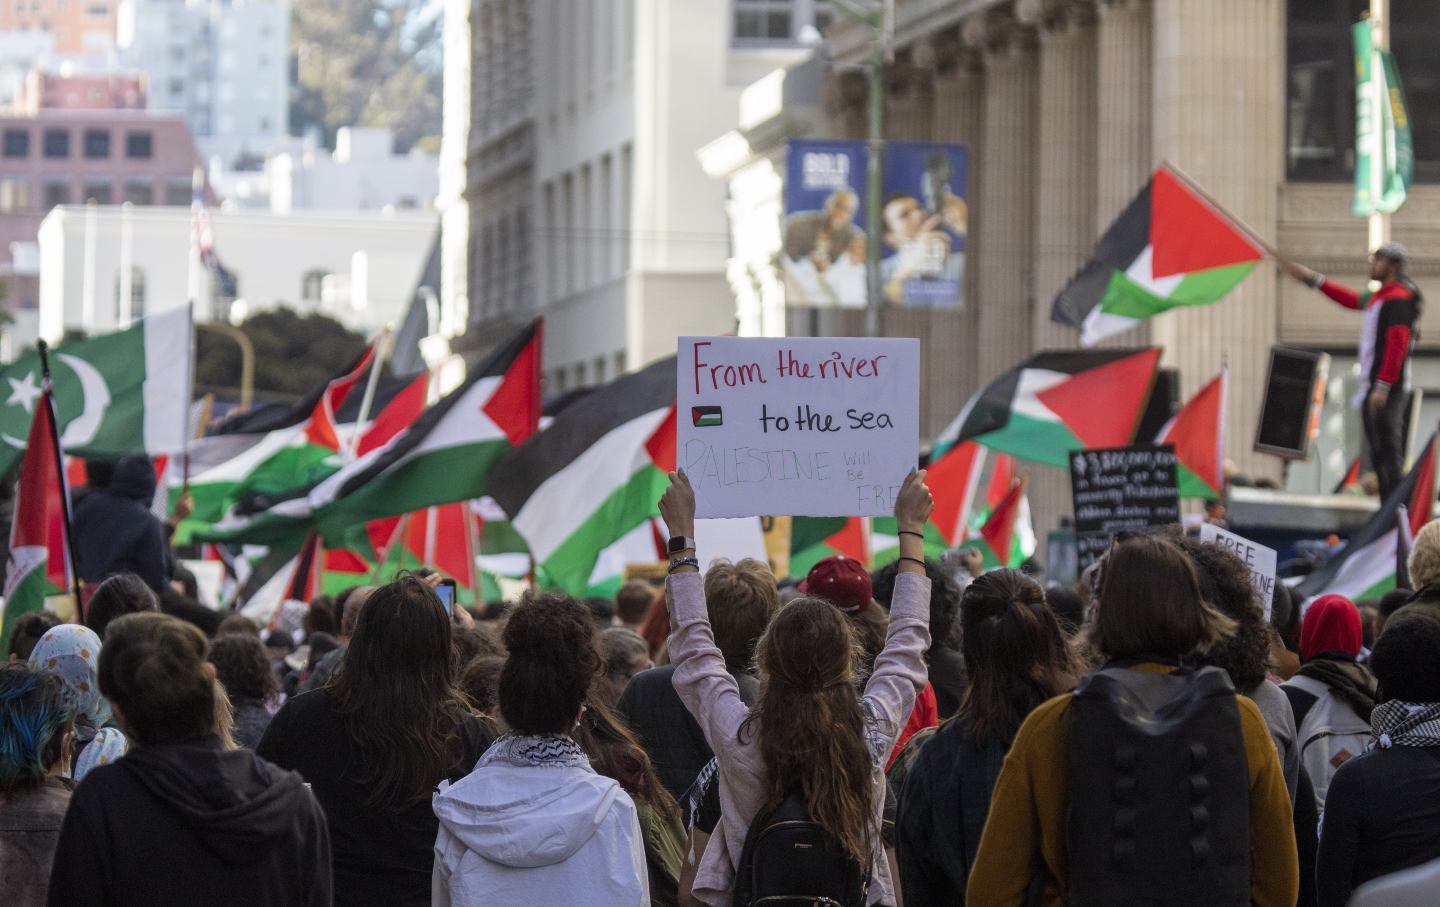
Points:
(1262, 561)
(804, 426)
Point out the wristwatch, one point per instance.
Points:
(679, 543)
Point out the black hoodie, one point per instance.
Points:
(115, 532)
(192, 824)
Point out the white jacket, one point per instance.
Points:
(535, 825)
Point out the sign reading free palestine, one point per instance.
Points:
(798, 426)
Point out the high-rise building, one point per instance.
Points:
(569, 181)
(222, 64)
(86, 28)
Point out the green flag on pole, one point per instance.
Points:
(1384, 151)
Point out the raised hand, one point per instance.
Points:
(677, 506)
(914, 502)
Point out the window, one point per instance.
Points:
(178, 193)
(57, 143)
(312, 283)
(176, 87)
(599, 369)
(1320, 86)
(139, 192)
(97, 144)
(14, 193)
(139, 145)
(97, 10)
(99, 191)
(136, 309)
(17, 143)
(762, 20)
(177, 52)
(57, 192)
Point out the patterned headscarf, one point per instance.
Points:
(72, 653)
(107, 746)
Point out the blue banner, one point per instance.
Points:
(924, 216)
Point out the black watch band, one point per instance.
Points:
(679, 543)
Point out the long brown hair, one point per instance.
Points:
(1016, 655)
(808, 720)
(616, 752)
(395, 696)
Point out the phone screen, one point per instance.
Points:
(446, 591)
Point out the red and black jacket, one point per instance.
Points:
(1392, 315)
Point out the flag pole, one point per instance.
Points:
(1226, 212)
(72, 575)
(382, 350)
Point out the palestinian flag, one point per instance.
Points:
(1057, 402)
(38, 562)
(448, 453)
(1007, 537)
(267, 455)
(1198, 434)
(122, 393)
(593, 476)
(812, 539)
(1365, 567)
(645, 544)
(1169, 248)
(442, 538)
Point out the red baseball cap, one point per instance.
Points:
(841, 581)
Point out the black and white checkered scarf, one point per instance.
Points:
(1398, 723)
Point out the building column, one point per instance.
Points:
(1218, 115)
(1004, 208)
(1064, 203)
(1124, 73)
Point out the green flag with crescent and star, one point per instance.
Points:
(122, 393)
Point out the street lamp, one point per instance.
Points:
(879, 17)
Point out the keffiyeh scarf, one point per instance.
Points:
(1398, 723)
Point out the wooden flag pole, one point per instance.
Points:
(72, 574)
(1212, 202)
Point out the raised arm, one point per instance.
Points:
(899, 673)
(706, 688)
(1313, 279)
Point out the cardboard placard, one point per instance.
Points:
(1262, 561)
(1119, 489)
(797, 425)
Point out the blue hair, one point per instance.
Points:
(35, 714)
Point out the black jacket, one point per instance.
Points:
(1382, 814)
(192, 824)
(942, 813)
(115, 532)
(381, 857)
(666, 728)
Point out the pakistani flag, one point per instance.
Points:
(117, 394)
(593, 476)
(1057, 402)
(1169, 248)
(1366, 566)
(37, 564)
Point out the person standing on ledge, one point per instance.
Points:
(1389, 332)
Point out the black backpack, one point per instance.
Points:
(790, 860)
(1159, 791)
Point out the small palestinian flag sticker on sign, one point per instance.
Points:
(706, 416)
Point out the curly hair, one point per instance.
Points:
(808, 722)
(395, 697)
(1226, 585)
(242, 666)
(1424, 560)
(552, 662)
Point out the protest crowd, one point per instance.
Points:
(929, 734)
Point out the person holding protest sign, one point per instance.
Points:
(812, 736)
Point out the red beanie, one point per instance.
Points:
(1330, 624)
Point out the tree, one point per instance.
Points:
(367, 63)
(294, 354)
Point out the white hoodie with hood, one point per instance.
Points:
(535, 825)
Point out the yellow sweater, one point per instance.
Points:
(1027, 813)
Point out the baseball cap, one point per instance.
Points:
(841, 581)
(1392, 250)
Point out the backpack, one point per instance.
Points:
(790, 860)
(1329, 735)
(1159, 791)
